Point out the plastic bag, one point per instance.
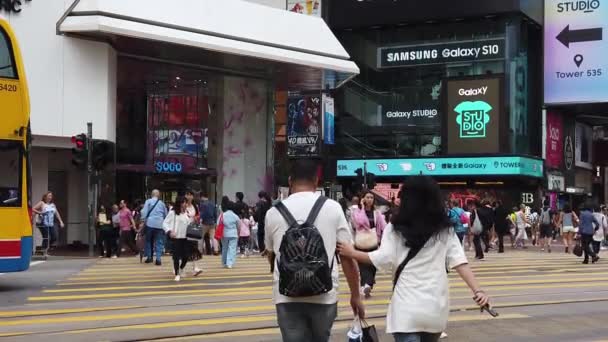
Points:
(355, 333)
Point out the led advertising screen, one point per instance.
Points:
(576, 67)
(473, 115)
(481, 166)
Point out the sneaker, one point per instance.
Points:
(101, 256)
(567, 250)
(229, 267)
(542, 249)
(443, 335)
(242, 256)
(114, 257)
(157, 263)
(148, 261)
(197, 272)
(178, 278)
(596, 259)
(549, 249)
(367, 291)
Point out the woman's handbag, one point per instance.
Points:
(140, 240)
(366, 239)
(578, 249)
(194, 231)
(219, 230)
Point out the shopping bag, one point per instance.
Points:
(578, 249)
(366, 239)
(140, 241)
(355, 333)
(369, 332)
(219, 230)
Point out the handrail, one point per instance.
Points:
(64, 16)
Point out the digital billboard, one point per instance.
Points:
(473, 115)
(480, 166)
(576, 67)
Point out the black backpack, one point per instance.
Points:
(304, 268)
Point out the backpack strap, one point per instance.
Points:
(316, 209)
(410, 255)
(291, 221)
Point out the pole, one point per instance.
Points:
(365, 175)
(90, 190)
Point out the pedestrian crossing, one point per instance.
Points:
(121, 299)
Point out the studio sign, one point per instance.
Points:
(12, 5)
(441, 53)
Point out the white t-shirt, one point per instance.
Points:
(599, 234)
(332, 226)
(420, 302)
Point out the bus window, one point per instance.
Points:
(10, 173)
(7, 65)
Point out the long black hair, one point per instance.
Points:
(177, 206)
(421, 215)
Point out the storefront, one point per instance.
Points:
(463, 87)
(184, 95)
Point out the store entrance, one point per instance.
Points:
(135, 186)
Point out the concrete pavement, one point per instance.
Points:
(540, 296)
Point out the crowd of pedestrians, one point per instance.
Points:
(154, 228)
(306, 237)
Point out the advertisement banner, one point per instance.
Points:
(176, 141)
(473, 115)
(441, 53)
(576, 67)
(482, 166)
(303, 125)
(329, 134)
(308, 7)
(555, 140)
(583, 148)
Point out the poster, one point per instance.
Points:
(329, 134)
(583, 148)
(555, 140)
(473, 113)
(575, 63)
(303, 125)
(308, 7)
(177, 141)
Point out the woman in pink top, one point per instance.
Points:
(368, 224)
(126, 225)
(244, 235)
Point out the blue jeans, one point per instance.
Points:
(305, 322)
(154, 237)
(416, 337)
(229, 251)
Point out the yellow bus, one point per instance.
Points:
(16, 240)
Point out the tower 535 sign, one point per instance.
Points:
(473, 115)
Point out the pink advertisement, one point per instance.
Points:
(555, 137)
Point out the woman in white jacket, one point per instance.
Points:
(176, 226)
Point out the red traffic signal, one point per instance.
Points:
(79, 152)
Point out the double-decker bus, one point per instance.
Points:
(16, 241)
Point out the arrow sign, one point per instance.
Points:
(568, 36)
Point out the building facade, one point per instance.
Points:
(449, 91)
(185, 98)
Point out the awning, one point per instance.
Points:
(233, 27)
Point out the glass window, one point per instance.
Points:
(7, 64)
(10, 171)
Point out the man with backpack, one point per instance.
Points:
(546, 227)
(302, 232)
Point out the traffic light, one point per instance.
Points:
(102, 154)
(79, 151)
